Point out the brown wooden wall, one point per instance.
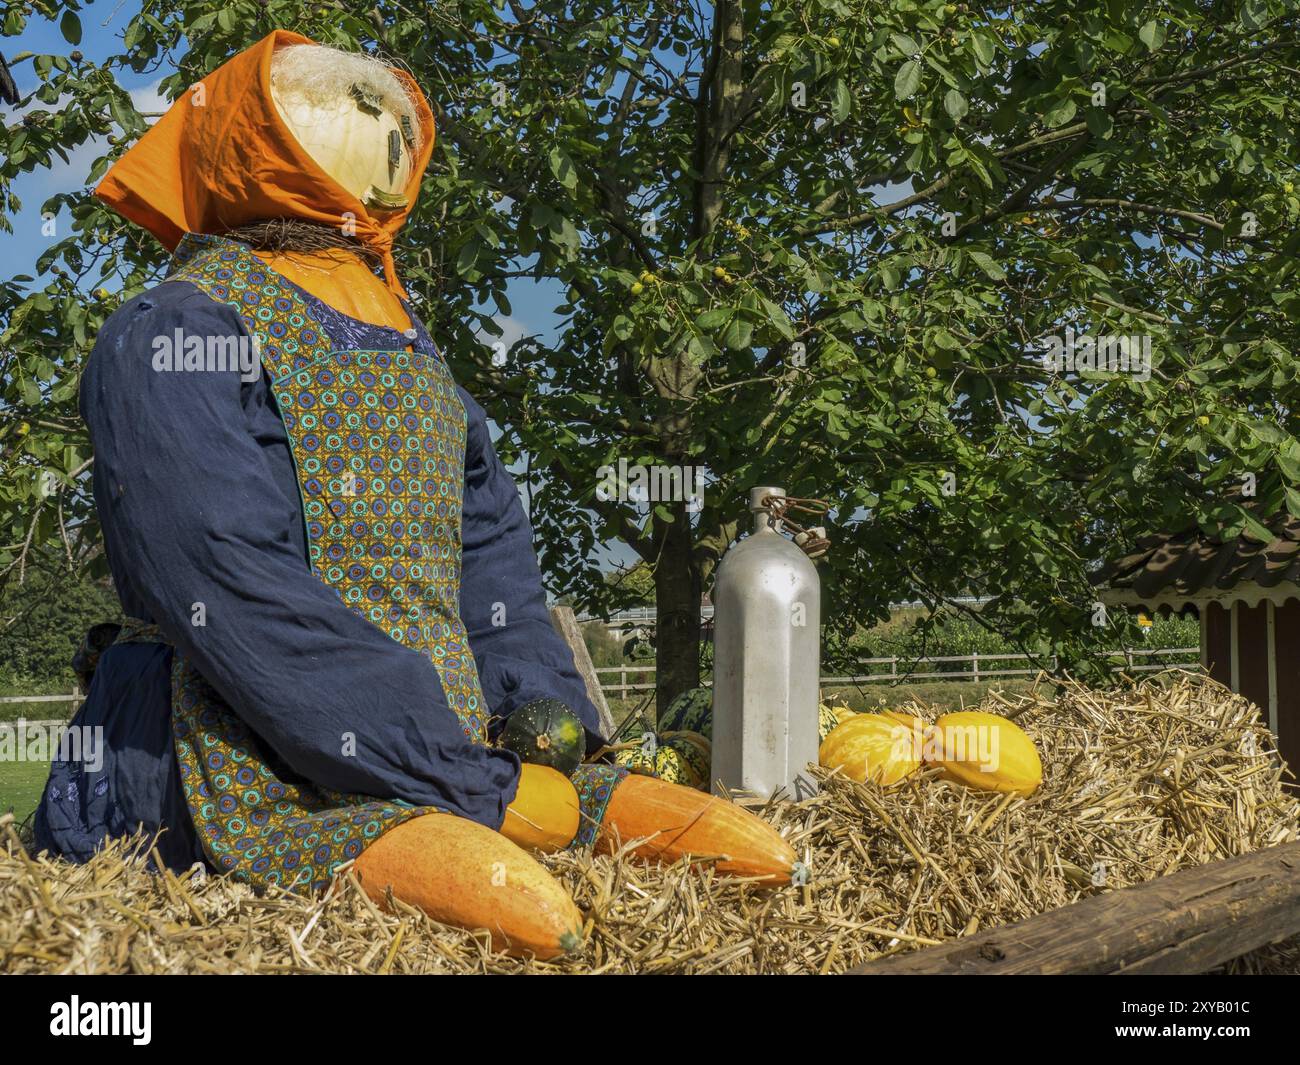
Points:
(1253, 653)
(1218, 642)
(1286, 636)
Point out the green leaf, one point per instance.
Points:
(1100, 124)
(981, 171)
(99, 169)
(907, 80)
(841, 102)
(983, 47)
(1254, 15)
(1257, 530)
(989, 265)
(468, 257)
(70, 27)
(955, 104)
(738, 334)
(945, 340)
(123, 113)
(905, 44)
(1289, 466)
(562, 167)
(1152, 35)
(1060, 113)
(1268, 432)
(777, 316)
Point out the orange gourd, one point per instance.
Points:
(681, 821)
(462, 873)
(544, 814)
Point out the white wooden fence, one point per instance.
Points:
(889, 671)
(76, 699)
(914, 669)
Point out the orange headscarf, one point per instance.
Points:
(223, 158)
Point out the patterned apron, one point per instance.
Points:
(378, 445)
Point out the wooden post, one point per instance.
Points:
(1185, 923)
(567, 626)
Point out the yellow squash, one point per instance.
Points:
(830, 717)
(544, 814)
(985, 751)
(879, 748)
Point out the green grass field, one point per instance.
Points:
(21, 781)
(20, 787)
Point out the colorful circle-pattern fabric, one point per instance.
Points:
(258, 825)
(378, 441)
(595, 785)
(254, 824)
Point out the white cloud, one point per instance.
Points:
(511, 330)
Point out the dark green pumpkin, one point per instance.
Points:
(546, 732)
(692, 711)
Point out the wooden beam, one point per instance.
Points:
(566, 625)
(1185, 923)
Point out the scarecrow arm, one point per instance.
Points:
(519, 654)
(199, 528)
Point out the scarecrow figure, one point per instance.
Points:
(308, 527)
(316, 554)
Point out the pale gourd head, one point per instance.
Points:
(353, 116)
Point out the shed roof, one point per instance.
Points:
(1176, 569)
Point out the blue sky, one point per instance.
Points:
(103, 22)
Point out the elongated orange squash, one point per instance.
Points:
(462, 873)
(544, 814)
(682, 821)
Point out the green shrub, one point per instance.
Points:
(42, 623)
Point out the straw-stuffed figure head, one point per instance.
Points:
(353, 117)
(285, 130)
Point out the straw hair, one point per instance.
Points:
(321, 75)
(1138, 783)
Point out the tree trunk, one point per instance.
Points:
(677, 563)
(677, 608)
(721, 98)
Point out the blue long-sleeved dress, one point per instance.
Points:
(203, 521)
